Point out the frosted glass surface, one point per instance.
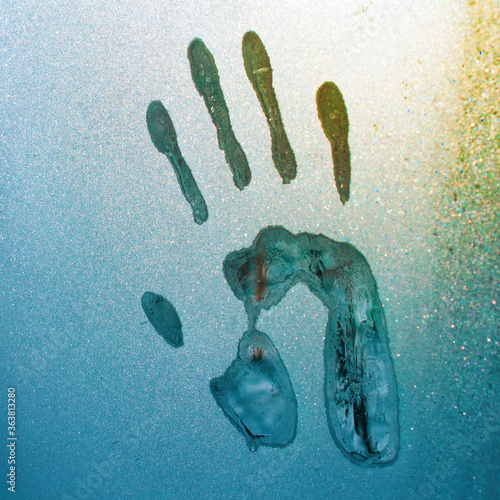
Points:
(93, 217)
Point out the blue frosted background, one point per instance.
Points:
(92, 217)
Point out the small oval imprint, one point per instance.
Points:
(163, 316)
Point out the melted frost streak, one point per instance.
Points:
(206, 79)
(256, 393)
(260, 74)
(163, 135)
(332, 114)
(360, 385)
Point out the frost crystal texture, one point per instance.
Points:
(163, 316)
(332, 114)
(206, 79)
(162, 132)
(256, 393)
(260, 74)
(360, 385)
